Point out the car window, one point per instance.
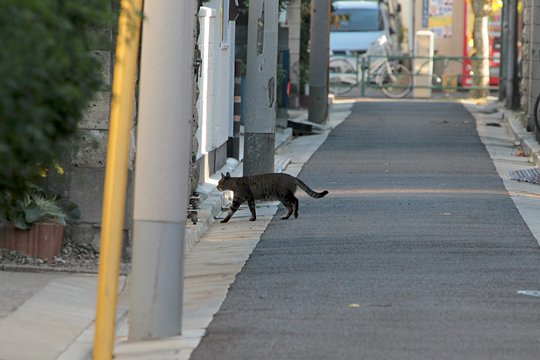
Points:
(357, 20)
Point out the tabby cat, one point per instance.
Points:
(264, 187)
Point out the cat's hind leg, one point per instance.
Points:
(289, 211)
(234, 206)
(295, 207)
(291, 203)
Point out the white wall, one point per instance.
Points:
(216, 81)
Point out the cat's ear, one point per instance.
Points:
(222, 176)
(228, 175)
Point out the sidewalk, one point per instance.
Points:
(56, 321)
(512, 148)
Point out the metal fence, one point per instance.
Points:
(404, 76)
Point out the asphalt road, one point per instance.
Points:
(418, 252)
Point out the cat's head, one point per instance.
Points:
(225, 182)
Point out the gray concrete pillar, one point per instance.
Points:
(162, 169)
(318, 61)
(261, 83)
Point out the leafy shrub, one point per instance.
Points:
(49, 74)
(37, 207)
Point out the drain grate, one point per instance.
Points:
(526, 175)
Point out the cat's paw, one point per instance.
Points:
(224, 221)
(252, 219)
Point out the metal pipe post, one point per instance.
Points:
(510, 56)
(162, 169)
(503, 64)
(261, 82)
(114, 196)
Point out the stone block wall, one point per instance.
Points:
(84, 167)
(530, 62)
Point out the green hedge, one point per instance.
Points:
(48, 75)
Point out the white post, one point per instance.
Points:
(423, 64)
(162, 169)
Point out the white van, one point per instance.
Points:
(361, 26)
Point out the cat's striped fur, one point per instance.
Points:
(268, 187)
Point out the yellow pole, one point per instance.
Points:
(114, 197)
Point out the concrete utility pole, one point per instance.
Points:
(162, 169)
(261, 82)
(318, 61)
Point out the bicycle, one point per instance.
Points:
(343, 76)
(392, 78)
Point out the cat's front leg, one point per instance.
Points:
(234, 206)
(251, 204)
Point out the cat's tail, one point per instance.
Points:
(310, 191)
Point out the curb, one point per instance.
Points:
(50, 269)
(522, 137)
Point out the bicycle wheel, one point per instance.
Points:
(395, 81)
(342, 76)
